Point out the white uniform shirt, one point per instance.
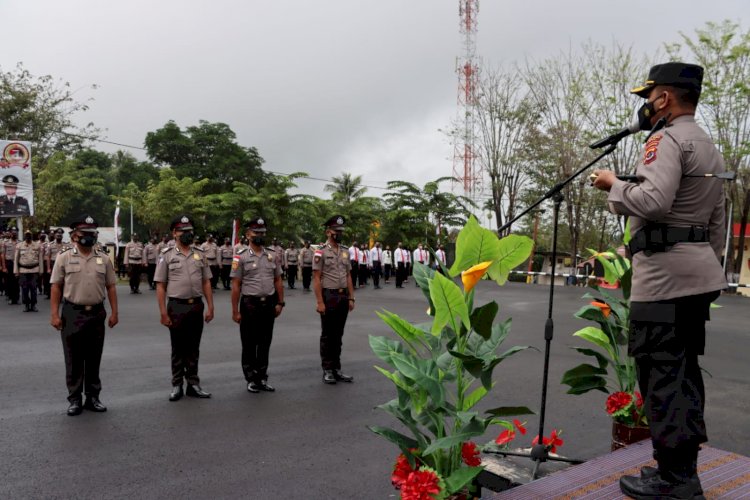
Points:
(421, 255)
(387, 257)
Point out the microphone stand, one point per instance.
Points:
(540, 452)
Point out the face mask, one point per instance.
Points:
(258, 240)
(187, 238)
(336, 237)
(58, 239)
(27, 239)
(87, 240)
(645, 113)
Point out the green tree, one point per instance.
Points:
(206, 151)
(346, 188)
(171, 196)
(723, 49)
(40, 109)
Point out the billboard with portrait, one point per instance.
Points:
(16, 188)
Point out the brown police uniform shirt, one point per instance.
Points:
(133, 253)
(183, 273)
(84, 278)
(306, 256)
(257, 271)
(334, 266)
(9, 249)
(663, 195)
(212, 253)
(280, 252)
(29, 258)
(150, 253)
(291, 257)
(54, 249)
(227, 252)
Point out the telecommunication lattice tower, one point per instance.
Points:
(465, 168)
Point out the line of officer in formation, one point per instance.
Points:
(25, 266)
(83, 277)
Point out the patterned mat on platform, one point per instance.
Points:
(723, 475)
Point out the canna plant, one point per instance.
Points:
(443, 369)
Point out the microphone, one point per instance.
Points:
(617, 137)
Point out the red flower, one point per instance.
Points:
(553, 441)
(519, 426)
(470, 454)
(617, 401)
(420, 485)
(401, 471)
(603, 306)
(638, 400)
(505, 437)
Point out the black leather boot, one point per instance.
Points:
(676, 477)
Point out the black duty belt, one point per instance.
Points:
(83, 307)
(336, 291)
(264, 300)
(133, 258)
(661, 237)
(29, 266)
(185, 301)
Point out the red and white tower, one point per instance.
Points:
(465, 167)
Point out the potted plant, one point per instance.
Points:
(624, 404)
(441, 370)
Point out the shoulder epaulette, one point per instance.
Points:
(198, 248)
(166, 249)
(241, 250)
(64, 250)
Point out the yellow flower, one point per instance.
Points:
(471, 276)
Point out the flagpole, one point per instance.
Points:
(131, 219)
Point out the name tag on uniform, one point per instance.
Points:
(196, 256)
(99, 260)
(345, 254)
(270, 258)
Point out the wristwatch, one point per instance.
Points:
(282, 303)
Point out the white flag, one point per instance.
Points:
(117, 228)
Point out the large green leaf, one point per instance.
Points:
(472, 364)
(383, 347)
(603, 362)
(476, 396)
(394, 437)
(448, 442)
(514, 250)
(474, 245)
(482, 318)
(499, 333)
(509, 411)
(403, 328)
(449, 304)
(597, 337)
(422, 373)
(393, 377)
(460, 478)
(584, 378)
(423, 275)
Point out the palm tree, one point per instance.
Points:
(346, 188)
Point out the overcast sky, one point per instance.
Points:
(322, 86)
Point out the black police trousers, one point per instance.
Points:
(185, 336)
(306, 277)
(354, 272)
(666, 338)
(332, 327)
(11, 282)
(150, 272)
(400, 274)
(226, 281)
(29, 283)
(256, 334)
(376, 270)
(291, 274)
(135, 276)
(83, 341)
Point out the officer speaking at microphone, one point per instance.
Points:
(182, 279)
(677, 223)
(82, 277)
(334, 293)
(256, 276)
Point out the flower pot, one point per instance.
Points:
(623, 435)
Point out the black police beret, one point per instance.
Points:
(675, 74)
(336, 222)
(84, 222)
(10, 179)
(256, 224)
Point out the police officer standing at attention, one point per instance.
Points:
(11, 282)
(291, 258)
(211, 250)
(334, 292)
(54, 248)
(256, 275)
(150, 255)
(226, 252)
(183, 278)
(306, 256)
(82, 277)
(29, 261)
(134, 261)
(677, 220)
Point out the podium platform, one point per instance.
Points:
(724, 475)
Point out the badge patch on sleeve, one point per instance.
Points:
(235, 262)
(652, 145)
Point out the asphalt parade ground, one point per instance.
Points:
(307, 440)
